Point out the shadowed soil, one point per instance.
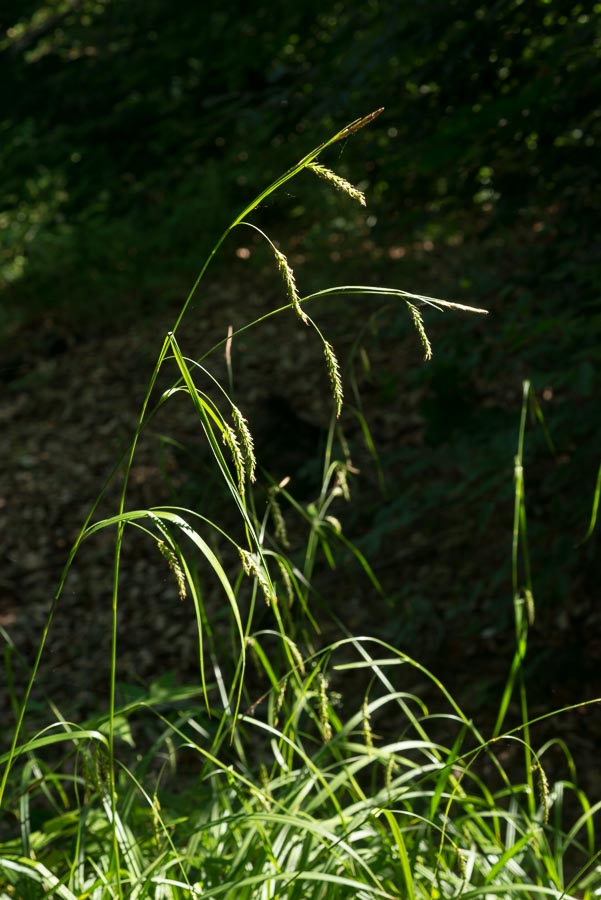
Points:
(69, 410)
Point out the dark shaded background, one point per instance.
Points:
(132, 133)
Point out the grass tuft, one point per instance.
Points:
(321, 776)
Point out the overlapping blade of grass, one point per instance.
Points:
(169, 343)
(389, 811)
(333, 783)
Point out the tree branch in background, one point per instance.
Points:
(31, 35)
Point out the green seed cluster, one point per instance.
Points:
(291, 288)
(334, 373)
(341, 184)
(419, 325)
(175, 567)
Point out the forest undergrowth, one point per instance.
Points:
(292, 768)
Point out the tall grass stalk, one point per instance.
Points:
(209, 420)
(331, 781)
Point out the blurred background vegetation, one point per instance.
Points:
(132, 132)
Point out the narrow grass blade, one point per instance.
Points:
(593, 521)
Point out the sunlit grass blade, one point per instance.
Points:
(595, 509)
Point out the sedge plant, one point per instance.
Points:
(333, 781)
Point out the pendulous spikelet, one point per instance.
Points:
(248, 447)
(391, 767)
(279, 523)
(341, 184)
(230, 438)
(175, 567)
(324, 710)
(291, 288)
(281, 696)
(419, 325)
(368, 736)
(543, 789)
(287, 581)
(252, 565)
(334, 373)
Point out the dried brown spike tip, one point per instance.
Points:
(359, 123)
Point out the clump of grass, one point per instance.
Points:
(334, 781)
(389, 801)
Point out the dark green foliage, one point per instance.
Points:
(331, 778)
(128, 128)
(131, 132)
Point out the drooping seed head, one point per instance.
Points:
(279, 522)
(341, 184)
(324, 712)
(253, 566)
(419, 325)
(334, 373)
(290, 282)
(248, 448)
(175, 567)
(230, 438)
